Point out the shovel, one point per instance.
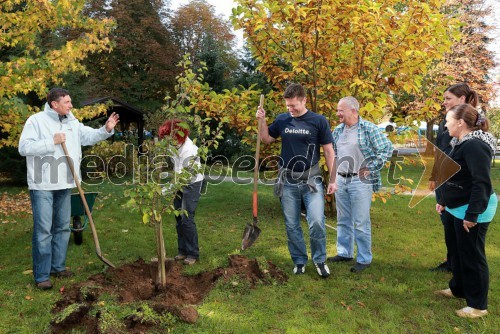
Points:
(87, 210)
(252, 231)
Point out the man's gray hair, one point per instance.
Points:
(351, 102)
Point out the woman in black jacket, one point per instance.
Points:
(454, 95)
(469, 198)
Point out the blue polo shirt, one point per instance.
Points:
(301, 140)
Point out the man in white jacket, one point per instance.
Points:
(50, 179)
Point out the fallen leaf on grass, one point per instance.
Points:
(28, 272)
(61, 290)
(347, 307)
(361, 304)
(18, 204)
(28, 297)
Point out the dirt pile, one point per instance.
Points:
(125, 299)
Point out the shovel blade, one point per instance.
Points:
(250, 234)
(106, 261)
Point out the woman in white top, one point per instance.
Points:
(185, 158)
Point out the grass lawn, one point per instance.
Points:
(395, 295)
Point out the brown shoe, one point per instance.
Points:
(189, 261)
(444, 293)
(179, 257)
(63, 274)
(45, 285)
(469, 312)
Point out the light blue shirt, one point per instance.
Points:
(485, 217)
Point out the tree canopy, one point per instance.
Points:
(141, 68)
(469, 60)
(39, 42)
(368, 49)
(208, 38)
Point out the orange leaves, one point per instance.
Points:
(17, 205)
(337, 47)
(37, 64)
(350, 307)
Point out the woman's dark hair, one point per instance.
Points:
(471, 117)
(462, 89)
(55, 94)
(172, 128)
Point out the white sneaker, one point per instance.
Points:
(445, 293)
(299, 269)
(470, 312)
(323, 269)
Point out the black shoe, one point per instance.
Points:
(63, 274)
(45, 285)
(338, 258)
(299, 269)
(322, 269)
(444, 266)
(359, 267)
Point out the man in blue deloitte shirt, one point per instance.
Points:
(303, 132)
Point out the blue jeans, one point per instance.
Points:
(187, 235)
(51, 217)
(293, 195)
(354, 199)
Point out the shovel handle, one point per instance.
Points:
(256, 167)
(85, 205)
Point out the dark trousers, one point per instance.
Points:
(187, 235)
(444, 218)
(470, 270)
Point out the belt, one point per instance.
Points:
(348, 174)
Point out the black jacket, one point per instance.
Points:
(472, 184)
(443, 140)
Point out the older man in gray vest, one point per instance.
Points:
(361, 151)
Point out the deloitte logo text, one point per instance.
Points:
(297, 131)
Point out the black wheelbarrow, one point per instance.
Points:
(78, 210)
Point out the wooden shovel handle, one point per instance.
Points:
(256, 167)
(85, 205)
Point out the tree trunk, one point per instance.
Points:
(429, 148)
(330, 207)
(160, 249)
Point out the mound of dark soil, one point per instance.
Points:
(84, 305)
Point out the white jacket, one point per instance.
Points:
(186, 153)
(47, 165)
